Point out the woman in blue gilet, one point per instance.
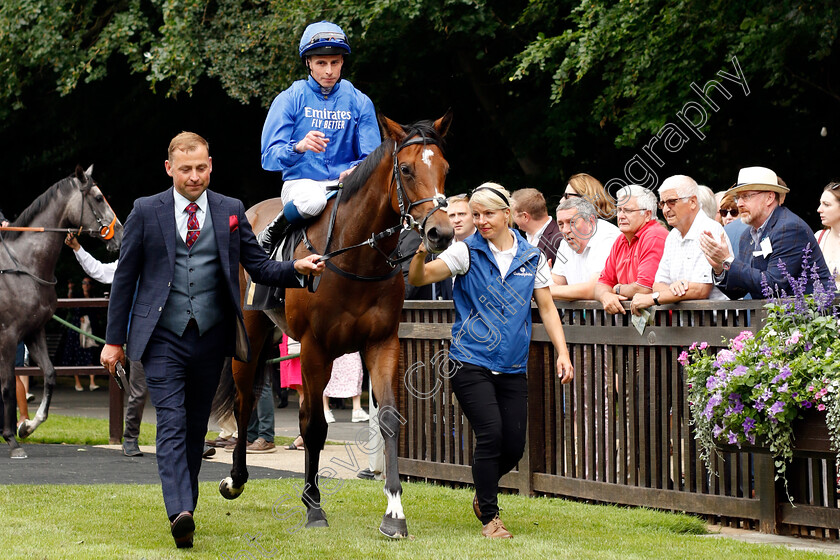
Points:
(496, 274)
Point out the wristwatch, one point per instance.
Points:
(617, 289)
(655, 296)
(727, 262)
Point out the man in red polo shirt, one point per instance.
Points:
(631, 267)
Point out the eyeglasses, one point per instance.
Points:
(623, 210)
(732, 212)
(745, 197)
(568, 195)
(671, 202)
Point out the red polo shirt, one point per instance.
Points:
(636, 260)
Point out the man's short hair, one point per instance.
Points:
(683, 184)
(531, 201)
(644, 198)
(187, 142)
(457, 198)
(583, 208)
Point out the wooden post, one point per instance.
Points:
(767, 493)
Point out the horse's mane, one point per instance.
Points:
(38, 206)
(354, 183)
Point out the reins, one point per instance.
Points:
(407, 222)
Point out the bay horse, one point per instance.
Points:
(27, 282)
(357, 305)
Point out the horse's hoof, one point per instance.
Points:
(18, 453)
(25, 429)
(227, 489)
(316, 518)
(393, 528)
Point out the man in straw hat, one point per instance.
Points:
(776, 235)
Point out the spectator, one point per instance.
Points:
(3, 221)
(21, 396)
(290, 377)
(581, 258)
(829, 237)
(531, 216)
(591, 189)
(634, 258)
(683, 272)
(346, 381)
(73, 350)
(776, 235)
(733, 226)
(458, 210)
(707, 201)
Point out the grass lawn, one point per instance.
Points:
(128, 521)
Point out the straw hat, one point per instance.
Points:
(757, 179)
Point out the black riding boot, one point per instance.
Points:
(270, 236)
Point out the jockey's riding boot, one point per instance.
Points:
(270, 236)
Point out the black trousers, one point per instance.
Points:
(497, 408)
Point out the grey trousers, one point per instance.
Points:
(137, 393)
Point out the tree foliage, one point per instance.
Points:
(643, 54)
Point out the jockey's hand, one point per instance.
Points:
(110, 355)
(72, 242)
(309, 265)
(344, 174)
(4, 223)
(314, 141)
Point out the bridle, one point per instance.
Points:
(106, 231)
(406, 221)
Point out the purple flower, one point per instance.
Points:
(784, 388)
(735, 404)
(717, 430)
(740, 370)
(732, 437)
(777, 407)
(748, 425)
(807, 404)
(751, 439)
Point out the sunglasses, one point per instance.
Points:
(671, 202)
(733, 212)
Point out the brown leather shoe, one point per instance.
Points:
(183, 528)
(496, 530)
(476, 509)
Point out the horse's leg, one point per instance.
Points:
(7, 393)
(258, 327)
(381, 359)
(315, 371)
(37, 344)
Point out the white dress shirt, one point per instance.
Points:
(182, 216)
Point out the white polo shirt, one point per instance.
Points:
(580, 267)
(682, 258)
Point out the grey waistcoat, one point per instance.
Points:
(197, 285)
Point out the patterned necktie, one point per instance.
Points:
(192, 224)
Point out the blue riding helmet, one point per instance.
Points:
(323, 38)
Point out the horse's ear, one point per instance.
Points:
(442, 124)
(82, 176)
(391, 129)
(89, 171)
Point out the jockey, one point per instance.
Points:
(318, 130)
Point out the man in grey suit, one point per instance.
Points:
(178, 279)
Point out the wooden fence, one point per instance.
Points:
(620, 432)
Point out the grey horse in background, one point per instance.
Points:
(27, 282)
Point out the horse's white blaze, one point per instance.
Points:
(427, 157)
(394, 506)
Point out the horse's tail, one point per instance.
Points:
(226, 396)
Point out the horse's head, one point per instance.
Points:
(419, 173)
(94, 213)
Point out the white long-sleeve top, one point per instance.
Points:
(101, 272)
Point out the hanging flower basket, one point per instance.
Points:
(770, 389)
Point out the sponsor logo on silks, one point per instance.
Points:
(523, 272)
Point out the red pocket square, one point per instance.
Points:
(234, 223)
